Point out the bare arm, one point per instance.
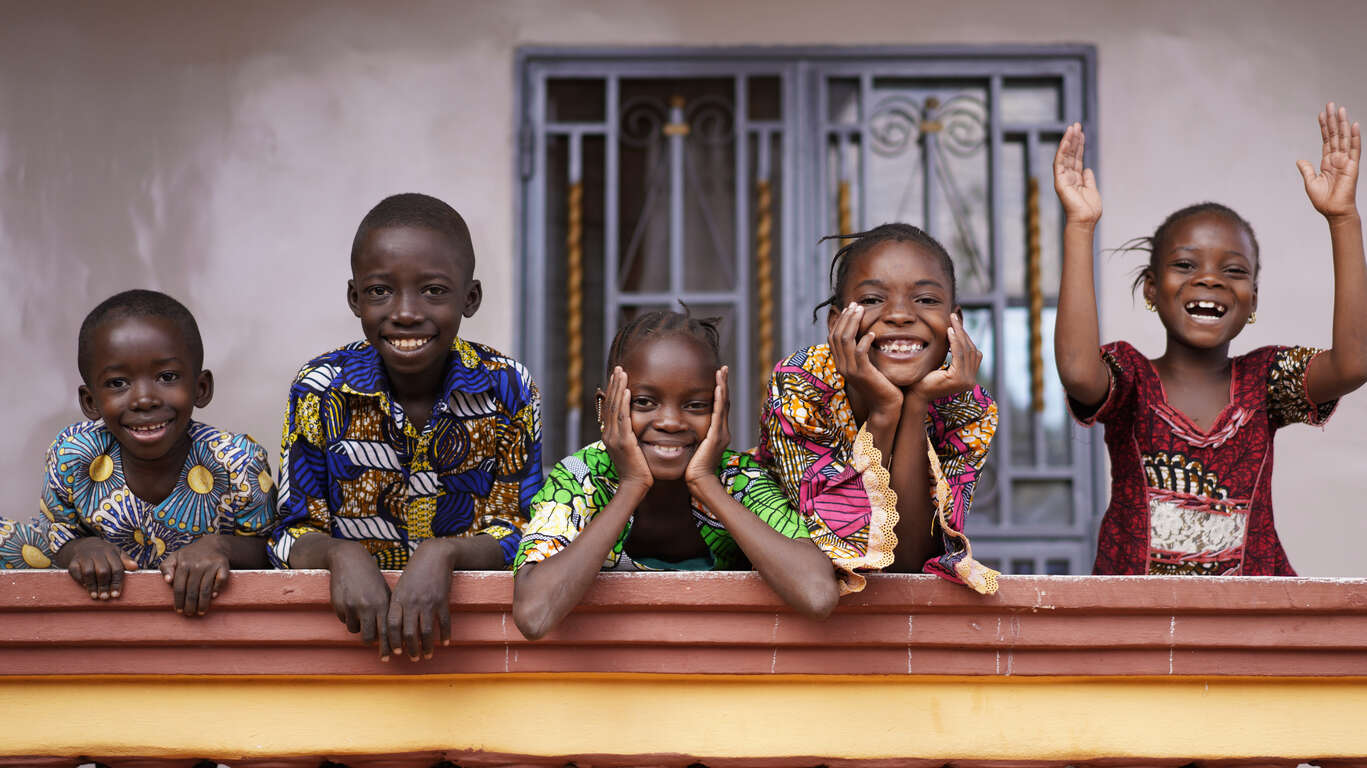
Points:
(360, 595)
(1333, 192)
(796, 569)
(545, 592)
(1077, 337)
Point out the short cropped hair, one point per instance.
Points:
(137, 303)
(413, 209)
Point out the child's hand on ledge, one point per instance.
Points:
(196, 573)
(421, 605)
(360, 595)
(96, 565)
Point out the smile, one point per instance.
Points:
(148, 431)
(408, 344)
(1206, 311)
(668, 451)
(899, 348)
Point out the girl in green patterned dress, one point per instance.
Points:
(660, 491)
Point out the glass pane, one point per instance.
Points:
(1057, 566)
(575, 101)
(842, 171)
(765, 103)
(1042, 503)
(709, 205)
(1017, 400)
(978, 324)
(842, 100)
(643, 188)
(1011, 219)
(1022, 566)
(1031, 101)
(929, 167)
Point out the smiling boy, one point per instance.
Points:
(413, 449)
(141, 484)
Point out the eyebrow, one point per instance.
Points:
(159, 361)
(876, 283)
(1195, 249)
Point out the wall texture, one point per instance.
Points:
(224, 153)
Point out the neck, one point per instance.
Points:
(667, 495)
(152, 481)
(425, 386)
(1181, 356)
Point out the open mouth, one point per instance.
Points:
(669, 451)
(1206, 311)
(148, 432)
(408, 344)
(903, 348)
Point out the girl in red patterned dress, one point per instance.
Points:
(1190, 433)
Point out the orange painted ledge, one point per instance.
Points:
(280, 623)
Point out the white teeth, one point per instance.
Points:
(668, 451)
(901, 347)
(408, 345)
(1211, 305)
(148, 428)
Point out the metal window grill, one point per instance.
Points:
(652, 176)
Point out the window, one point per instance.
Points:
(650, 176)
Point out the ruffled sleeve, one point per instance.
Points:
(1288, 400)
(961, 428)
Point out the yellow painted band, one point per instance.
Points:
(708, 716)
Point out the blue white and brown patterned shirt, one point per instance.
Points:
(355, 467)
(224, 488)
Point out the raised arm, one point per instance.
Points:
(796, 569)
(1077, 338)
(545, 592)
(1333, 192)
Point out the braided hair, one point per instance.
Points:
(660, 323)
(1155, 244)
(863, 242)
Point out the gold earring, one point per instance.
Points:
(598, 409)
(1252, 317)
(1149, 305)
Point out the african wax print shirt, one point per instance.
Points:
(584, 482)
(1190, 501)
(355, 467)
(225, 488)
(23, 543)
(830, 468)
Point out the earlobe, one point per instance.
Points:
(353, 299)
(473, 299)
(87, 402)
(204, 389)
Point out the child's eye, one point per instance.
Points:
(115, 383)
(377, 291)
(699, 405)
(642, 403)
(168, 377)
(1183, 265)
(436, 290)
(870, 300)
(929, 300)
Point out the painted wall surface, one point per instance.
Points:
(225, 152)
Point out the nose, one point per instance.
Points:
(145, 396)
(1209, 278)
(669, 418)
(899, 310)
(407, 309)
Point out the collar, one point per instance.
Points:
(362, 372)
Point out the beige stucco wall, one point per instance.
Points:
(224, 152)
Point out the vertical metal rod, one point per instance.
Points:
(929, 139)
(764, 258)
(844, 214)
(1005, 477)
(741, 374)
(574, 309)
(611, 148)
(676, 132)
(865, 116)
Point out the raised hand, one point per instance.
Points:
(705, 459)
(877, 393)
(618, 436)
(1333, 191)
(962, 372)
(1075, 185)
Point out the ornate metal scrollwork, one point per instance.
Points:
(898, 120)
(709, 120)
(643, 121)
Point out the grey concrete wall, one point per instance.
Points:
(224, 152)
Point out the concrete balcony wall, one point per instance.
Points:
(676, 669)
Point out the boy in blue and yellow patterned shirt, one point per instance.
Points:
(413, 449)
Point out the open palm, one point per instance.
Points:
(1075, 185)
(1333, 191)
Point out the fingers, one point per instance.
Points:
(1088, 179)
(190, 589)
(412, 639)
(392, 636)
(129, 564)
(179, 584)
(1355, 143)
(82, 574)
(207, 580)
(377, 621)
(1324, 129)
(444, 622)
(724, 394)
(426, 635)
(1307, 172)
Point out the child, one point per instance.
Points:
(874, 435)
(1190, 433)
(661, 491)
(142, 485)
(414, 449)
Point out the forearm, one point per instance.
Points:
(1077, 335)
(246, 553)
(62, 557)
(910, 479)
(545, 592)
(1344, 367)
(796, 569)
(319, 551)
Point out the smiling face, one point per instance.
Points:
(907, 300)
(411, 286)
(672, 379)
(1202, 280)
(145, 384)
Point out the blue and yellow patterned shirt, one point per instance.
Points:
(353, 465)
(224, 488)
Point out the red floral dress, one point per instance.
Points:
(1191, 501)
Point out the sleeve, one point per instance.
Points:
(841, 490)
(1288, 400)
(519, 480)
(253, 512)
(58, 505)
(1120, 359)
(760, 492)
(25, 544)
(961, 430)
(304, 499)
(559, 511)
